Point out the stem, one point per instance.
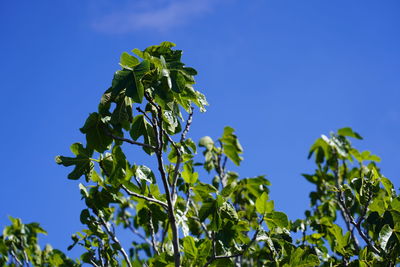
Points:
(154, 200)
(129, 141)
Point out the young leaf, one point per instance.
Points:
(231, 145)
(262, 204)
(347, 131)
(128, 61)
(82, 162)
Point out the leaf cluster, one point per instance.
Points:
(173, 217)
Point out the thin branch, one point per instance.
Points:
(103, 261)
(129, 141)
(179, 154)
(115, 239)
(152, 234)
(357, 226)
(154, 200)
(221, 166)
(144, 113)
(188, 123)
(93, 263)
(15, 257)
(345, 214)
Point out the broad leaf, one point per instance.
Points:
(96, 136)
(82, 162)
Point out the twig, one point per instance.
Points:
(357, 226)
(152, 234)
(129, 141)
(188, 123)
(163, 204)
(103, 262)
(179, 154)
(115, 239)
(15, 258)
(221, 166)
(93, 263)
(144, 113)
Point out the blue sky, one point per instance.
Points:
(280, 72)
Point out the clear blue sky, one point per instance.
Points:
(280, 72)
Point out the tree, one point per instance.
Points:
(178, 219)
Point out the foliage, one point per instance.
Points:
(176, 218)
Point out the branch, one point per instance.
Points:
(93, 263)
(115, 239)
(159, 154)
(188, 123)
(357, 225)
(129, 141)
(153, 238)
(179, 154)
(144, 113)
(154, 200)
(221, 166)
(345, 214)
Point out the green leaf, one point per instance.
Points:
(189, 247)
(206, 142)
(338, 239)
(173, 125)
(231, 145)
(140, 127)
(145, 173)
(263, 205)
(388, 185)
(122, 114)
(277, 218)
(120, 80)
(384, 235)
(178, 81)
(128, 61)
(141, 69)
(119, 166)
(229, 212)
(188, 174)
(95, 130)
(204, 189)
(84, 217)
(347, 131)
(126, 79)
(82, 162)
